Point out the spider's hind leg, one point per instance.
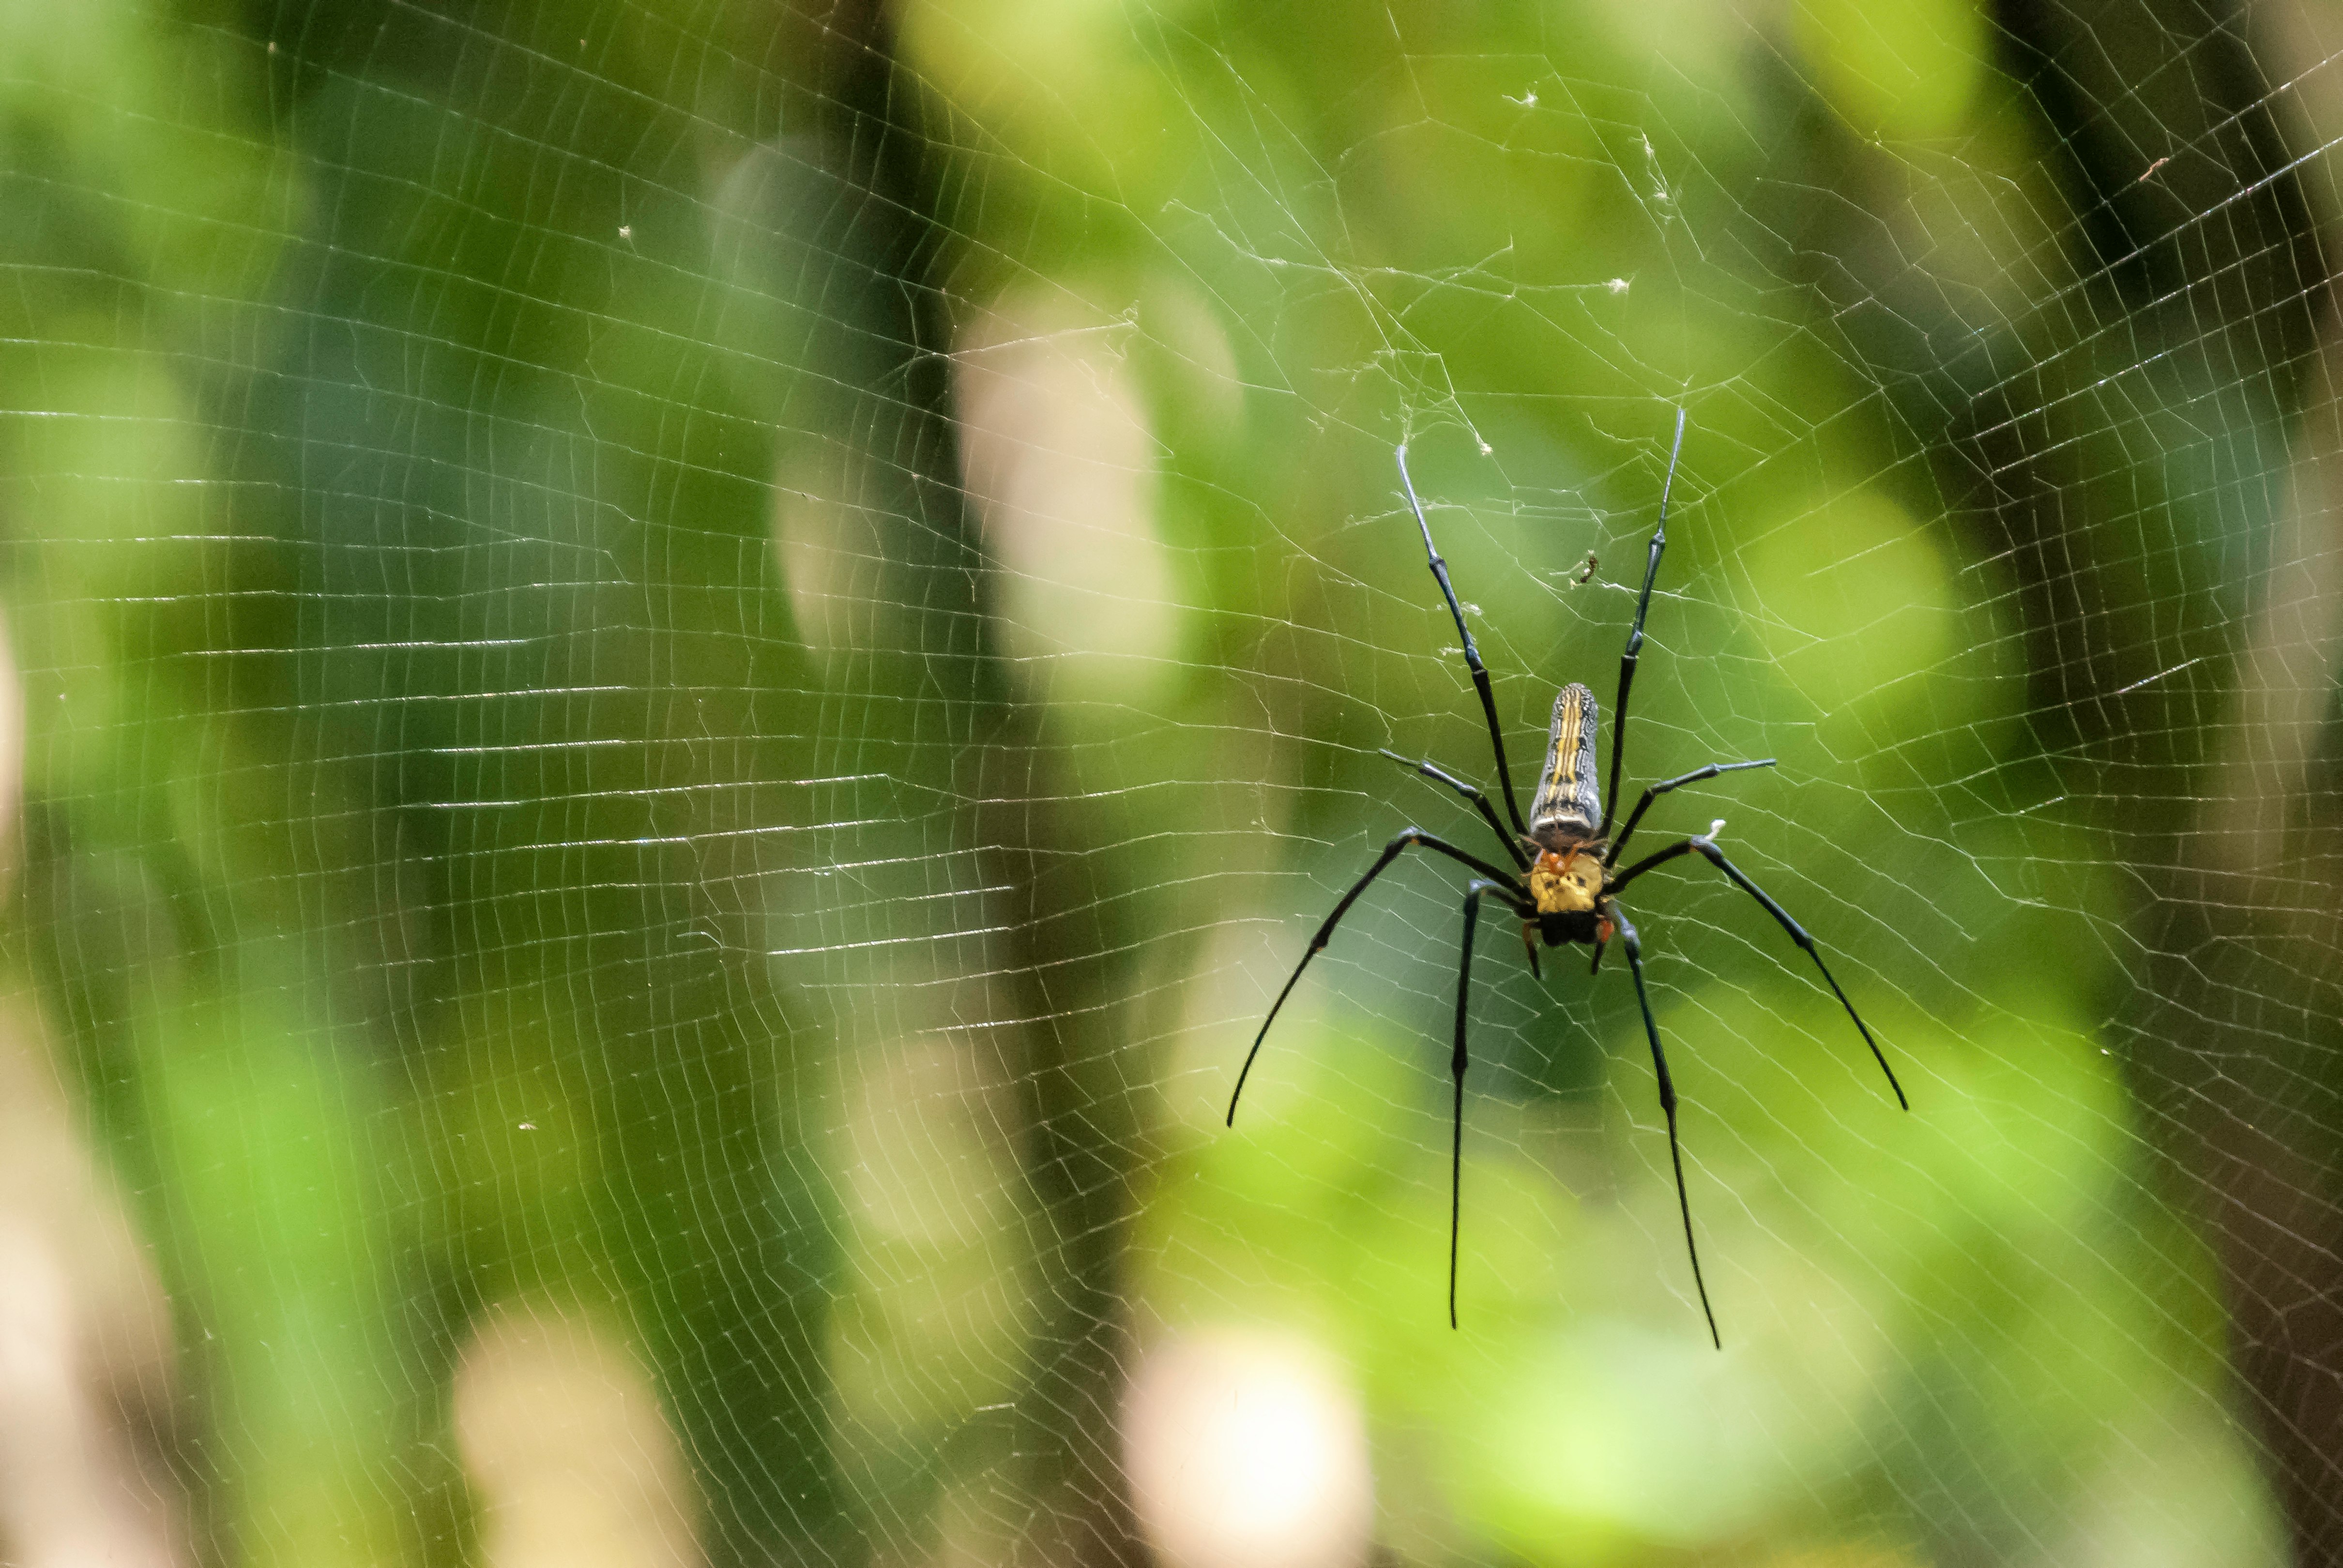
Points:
(1472, 652)
(1634, 649)
(1480, 803)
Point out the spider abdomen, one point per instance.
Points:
(1569, 802)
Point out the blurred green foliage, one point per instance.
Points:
(537, 787)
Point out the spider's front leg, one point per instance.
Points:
(1459, 1060)
(1400, 842)
(1635, 951)
(1705, 847)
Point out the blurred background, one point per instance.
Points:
(685, 671)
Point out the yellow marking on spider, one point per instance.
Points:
(1565, 884)
(1568, 720)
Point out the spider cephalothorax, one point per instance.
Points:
(1564, 883)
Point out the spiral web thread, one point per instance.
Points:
(688, 674)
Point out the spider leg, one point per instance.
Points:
(1635, 951)
(1480, 803)
(1472, 653)
(1636, 632)
(1707, 848)
(1392, 851)
(1698, 775)
(1456, 1065)
(1529, 946)
(1651, 862)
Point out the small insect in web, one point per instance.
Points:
(1564, 884)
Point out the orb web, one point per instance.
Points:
(684, 676)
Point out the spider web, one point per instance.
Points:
(688, 673)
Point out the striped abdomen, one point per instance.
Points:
(1569, 804)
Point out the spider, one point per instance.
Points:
(1565, 883)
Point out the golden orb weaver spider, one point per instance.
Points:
(1564, 884)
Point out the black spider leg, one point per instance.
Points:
(1611, 856)
(1400, 841)
(1698, 775)
(1635, 633)
(1456, 1065)
(1472, 652)
(1715, 857)
(1480, 803)
(1635, 951)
